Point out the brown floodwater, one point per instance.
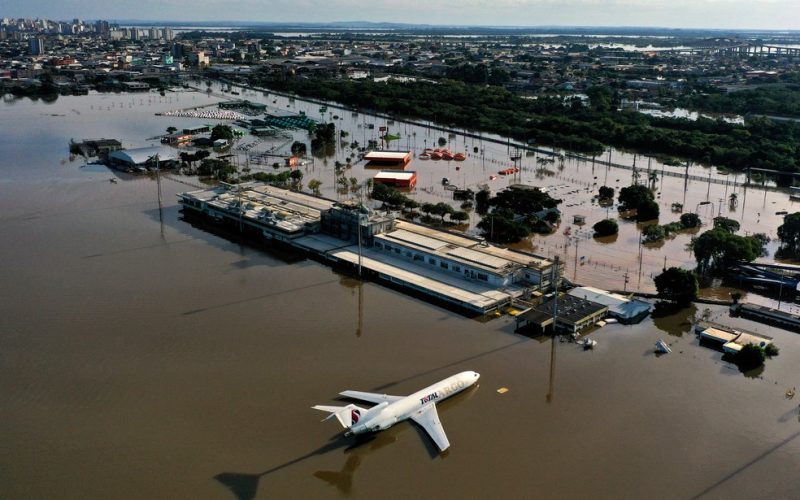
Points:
(142, 356)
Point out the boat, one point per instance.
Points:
(424, 156)
(436, 156)
(459, 157)
(662, 347)
(447, 155)
(508, 171)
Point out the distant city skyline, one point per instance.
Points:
(712, 14)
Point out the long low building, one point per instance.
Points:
(274, 213)
(392, 159)
(396, 178)
(454, 268)
(731, 339)
(143, 158)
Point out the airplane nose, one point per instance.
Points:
(476, 375)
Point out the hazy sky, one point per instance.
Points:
(759, 14)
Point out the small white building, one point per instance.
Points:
(625, 309)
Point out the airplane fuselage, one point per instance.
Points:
(386, 414)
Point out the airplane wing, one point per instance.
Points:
(428, 419)
(370, 396)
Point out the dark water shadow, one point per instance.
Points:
(672, 319)
(794, 412)
(259, 297)
(221, 237)
(747, 465)
(342, 479)
(244, 486)
(449, 365)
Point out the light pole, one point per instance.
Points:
(697, 208)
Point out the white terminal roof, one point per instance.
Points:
(478, 257)
(404, 236)
(484, 252)
(287, 210)
(618, 305)
(445, 249)
(140, 156)
(396, 175)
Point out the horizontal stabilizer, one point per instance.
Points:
(346, 415)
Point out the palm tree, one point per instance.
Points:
(355, 187)
(314, 185)
(653, 178)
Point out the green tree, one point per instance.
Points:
(298, 148)
(653, 233)
(222, 132)
(428, 208)
(502, 226)
(442, 209)
(647, 210)
(749, 357)
(171, 130)
(677, 285)
(442, 141)
(726, 224)
(690, 220)
(600, 97)
(523, 201)
(482, 201)
(789, 233)
(314, 185)
(632, 197)
(390, 196)
(718, 249)
(606, 227)
(606, 193)
(459, 216)
(355, 187)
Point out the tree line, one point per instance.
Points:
(567, 124)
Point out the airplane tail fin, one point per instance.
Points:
(346, 415)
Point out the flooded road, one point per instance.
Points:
(150, 359)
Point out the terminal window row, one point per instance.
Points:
(432, 261)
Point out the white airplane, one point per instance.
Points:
(419, 407)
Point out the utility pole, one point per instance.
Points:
(160, 202)
(575, 271)
(358, 228)
(554, 278)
